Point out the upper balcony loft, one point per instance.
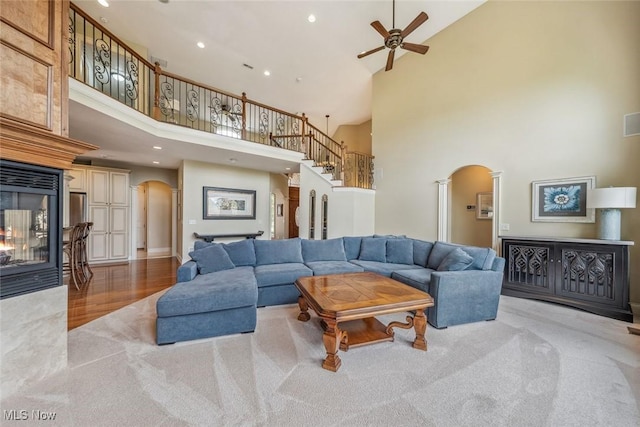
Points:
(101, 61)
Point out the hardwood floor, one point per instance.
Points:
(116, 286)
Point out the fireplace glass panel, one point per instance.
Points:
(24, 229)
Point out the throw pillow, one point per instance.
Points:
(241, 253)
(352, 246)
(456, 260)
(211, 259)
(400, 251)
(278, 251)
(323, 250)
(373, 249)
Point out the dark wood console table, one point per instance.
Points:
(589, 274)
(211, 237)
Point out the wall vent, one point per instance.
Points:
(632, 124)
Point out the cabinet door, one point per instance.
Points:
(98, 187)
(119, 192)
(98, 246)
(591, 273)
(530, 266)
(79, 181)
(118, 232)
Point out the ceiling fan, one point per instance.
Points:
(227, 111)
(395, 37)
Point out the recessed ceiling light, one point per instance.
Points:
(232, 160)
(157, 147)
(311, 18)
(155, 162)
(104, 3)
(287, 169)
(267, 72)
(298, 79)
(103, 20)
(200, 45)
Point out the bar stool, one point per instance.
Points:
(83, 258)
(70, 248)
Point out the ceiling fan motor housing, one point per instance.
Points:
(394, 40)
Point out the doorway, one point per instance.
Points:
(153, 220)
(459, 220)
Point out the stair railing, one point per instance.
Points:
(102, 61)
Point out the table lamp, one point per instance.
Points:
(610, 200)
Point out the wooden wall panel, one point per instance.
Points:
(34, 18)
(25, 96)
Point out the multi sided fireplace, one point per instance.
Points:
(30, 227)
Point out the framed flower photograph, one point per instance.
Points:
(562, 200)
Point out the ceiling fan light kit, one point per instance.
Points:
(395, 38)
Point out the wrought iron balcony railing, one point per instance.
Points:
(100, 60)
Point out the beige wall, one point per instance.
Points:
(466, 183)
(280, 187)
(356, 137)
(195, 175)
(158, 217)
(537, 90)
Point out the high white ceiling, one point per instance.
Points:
(314, 68)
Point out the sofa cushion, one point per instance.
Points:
(419, 278)
(211, 259)
(421, 250)
(373, 249)
(399, 251)
(382, 268)
(482, 257)
(242, 252)
(456, 260)
(321, 268)
(199, 244)
(279, 274)
(210, 292)
(352, 246)
(323, 250)
(278, 251)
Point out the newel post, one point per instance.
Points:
(157, 71)
(343, 159)
(244, 115)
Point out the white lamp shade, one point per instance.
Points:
(611, 198)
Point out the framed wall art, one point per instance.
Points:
(562, 200)
(228, 203)
(484, 205)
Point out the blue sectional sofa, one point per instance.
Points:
(221, 287)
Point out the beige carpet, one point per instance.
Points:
(538, 364)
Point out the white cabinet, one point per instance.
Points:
(79, 181)
(108, 194)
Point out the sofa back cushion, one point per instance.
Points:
(323, 250)
(373, 249)
(456, 260)
(352, 246)
(482, 257)
(421, 251)
(242, 252)
(211, 258)
(199, 244)
(278, 251)
(399, 251)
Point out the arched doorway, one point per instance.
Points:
(460, 217)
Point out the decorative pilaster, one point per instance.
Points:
(443, 209)
(495, 225)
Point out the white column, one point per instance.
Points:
(443, 209)
(133, 213)
(65, 198)
(495, 225)
(174, 221)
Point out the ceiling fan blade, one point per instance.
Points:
(390, 60)
(418, 48)
(380, 28)
(369, 52)
(420, 19)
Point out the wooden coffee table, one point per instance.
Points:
(347, 304)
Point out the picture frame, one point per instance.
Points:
(562, 200)
(228, 203)
(484, 205)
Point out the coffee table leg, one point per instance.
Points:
(420, 326)
(331, 338)
(304, 309)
